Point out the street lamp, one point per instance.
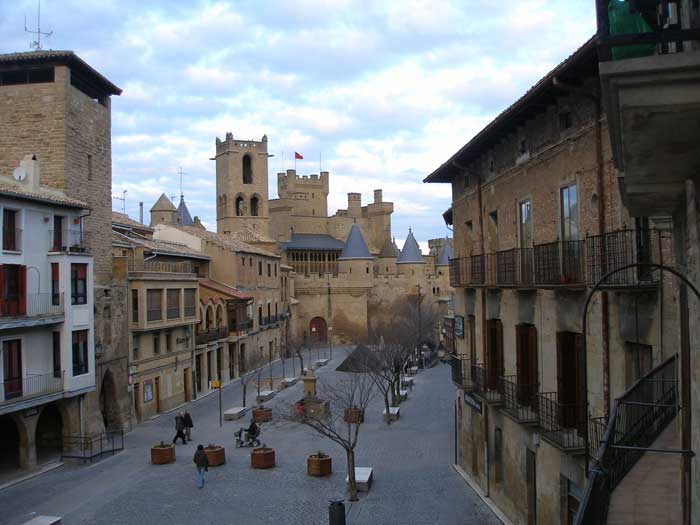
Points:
(330, 342)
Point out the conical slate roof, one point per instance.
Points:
(355, 246)
(397, 252)
(183, 214)
(411, 251)
(163, 204)
(445, 255)
(388, 251)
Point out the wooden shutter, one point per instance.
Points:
(500, 371)
(2, 290)
(533, 368)
(22, 289)
(580, 393)
(520, 362)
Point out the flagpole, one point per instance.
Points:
(319, 163)
(295, 161)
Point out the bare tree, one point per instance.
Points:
(347, 398)
(296, 346)
(254, 369)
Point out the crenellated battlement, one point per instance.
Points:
(290, 182)
(230, 143)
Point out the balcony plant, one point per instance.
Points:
(262, 457)
(162, 453)
(319, 464)
(216, 454)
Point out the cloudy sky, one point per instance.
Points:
(385, 91)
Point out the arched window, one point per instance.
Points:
(239, 206)
(254, 206)
(247, 170)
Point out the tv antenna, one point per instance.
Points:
(181, 173)
(123, 199)
(36, 44)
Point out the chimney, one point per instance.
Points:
(141, 212)
(377, 196)
(30, 165)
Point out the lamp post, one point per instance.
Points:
(330, 342)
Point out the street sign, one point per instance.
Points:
(214, 384)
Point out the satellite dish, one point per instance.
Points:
(19, 174)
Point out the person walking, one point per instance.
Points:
(188, 425)
(179, 429)
(202, 462)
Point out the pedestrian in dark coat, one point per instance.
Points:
(188, 425)
(202, 462)
(180, 429)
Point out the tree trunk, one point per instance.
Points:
(394, 397)
(352, 484)
(245, 387)
(301, 363)
(386, 405)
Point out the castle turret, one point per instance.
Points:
(183, 214)
(445, 254)
(355, 205)
(163, 212)
(241, 185)
(355, 258)
(410, 260)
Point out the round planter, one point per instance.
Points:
(262, 415)
(216, 455)
(354, 415)
(162, 455)
(319, 466)
(262, 458)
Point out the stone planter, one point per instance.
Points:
(216, 455)
(317, 409)
(162, 454)
(262, 414)
(354, 415)
(319, 465)
(262, 457)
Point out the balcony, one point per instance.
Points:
(649, 77)
(486, 384)
(519, 400)
(563, 424)
(613, 250)
(559, 263)
(154, 314)
(12, 240)
(190, 311)
(173, 312)
(32, 310)
(514, 267)
(69, 241)
(211, 335)
(16, 391)
(477, 270)
(461, 371)
(139, 265)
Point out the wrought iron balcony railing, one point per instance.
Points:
(616, 249)
(477, 270)
(514, 267)
(211, 335)
(35, 385)
(486, 384)
(138, 265)
(559, 263)
(519, 400)
(563, 424)
(461, 371)
(71, 240)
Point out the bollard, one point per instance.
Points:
(336, 512)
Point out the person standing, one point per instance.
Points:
(179, 429)
(188, 425)
(202, 462)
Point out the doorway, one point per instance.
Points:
(49, 434)
(137, 401)
(158, 394)
(318, 330)
(9, 445)
(186, 384)
(108, 406)
(531, 474)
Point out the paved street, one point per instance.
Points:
(413, 482)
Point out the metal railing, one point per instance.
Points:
(563, 424)
(461, 371)
(514, 267)
(244, 325)
(154, 314)
(35, 385)
(190, 311)
(139, 265)
(477, 270)
(173, 312)
(486, 383)
(519, 399)
(12, 240)
(32, 305)
(213, 334)
(612, 250)
(459, 272)
(559, 263)
(638, 418)
(71, 240)
(89, 448)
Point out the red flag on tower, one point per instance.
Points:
(297, 156)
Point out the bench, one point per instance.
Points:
(321, 362)
(235, 413)
(289, 381)
(394, 414)
(44, 520)
(413, 370)
(407, 382)
(265, 395)
(363, 478)
(403, 395)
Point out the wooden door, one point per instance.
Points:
(570, 382)
(317, 329)
(12, 368)
(526, 363)
(531, 474)
(158, 394)
(186, 384)
(137, 401)
(198, 372)
(495, 365)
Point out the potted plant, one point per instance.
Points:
(216, 454)
(262, 457)
(354, 415)
(162, 453)
(319, 464)
(262, 414)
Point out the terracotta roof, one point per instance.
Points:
(224, 289)
(495, 130)
(56, 197)
(157, 246)
(68, 58)
(125, 220)
(225, 241)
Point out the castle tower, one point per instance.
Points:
(307, 195)
(241, 185)
(355, 258)
(163, 212)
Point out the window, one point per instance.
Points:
(12, 368)
(168, 341)
(156, 343)
(134, 306)
(495, 363)
(250, 262)
(239, 206)
(259, 267)
(569, 213)
(242, 261)
(275, 269)
(154, 308)
(247, 169)
(525, 212)
(57, 354)
(80, 352)
(10, 233)
(190, 296)
(55, 290)
(135, 347)
(173, 303)
(260, 317)
(565, 120)
(254, 206)
(526, 364)
(269, 270)
(570, 380)
(26, 76)
(498, 454)
(78, 283)
(57, 233)
(268, 312)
